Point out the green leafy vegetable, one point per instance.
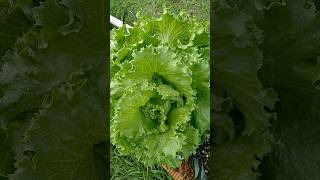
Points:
(266, 80)
(160, 89)
(52, 90)
(295, 73)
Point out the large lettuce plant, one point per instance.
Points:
(160, 89)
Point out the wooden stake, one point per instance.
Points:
(185, 172)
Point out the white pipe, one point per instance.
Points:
(118, 23)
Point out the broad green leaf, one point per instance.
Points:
(237, 160)
(237, 61)
(6, 154)
(64, 136)
(164, 63)
(129, 120)
(236, 68)
(43, 16)
(13, 24)
(224, 128)
(200, 82)
(11, 149)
